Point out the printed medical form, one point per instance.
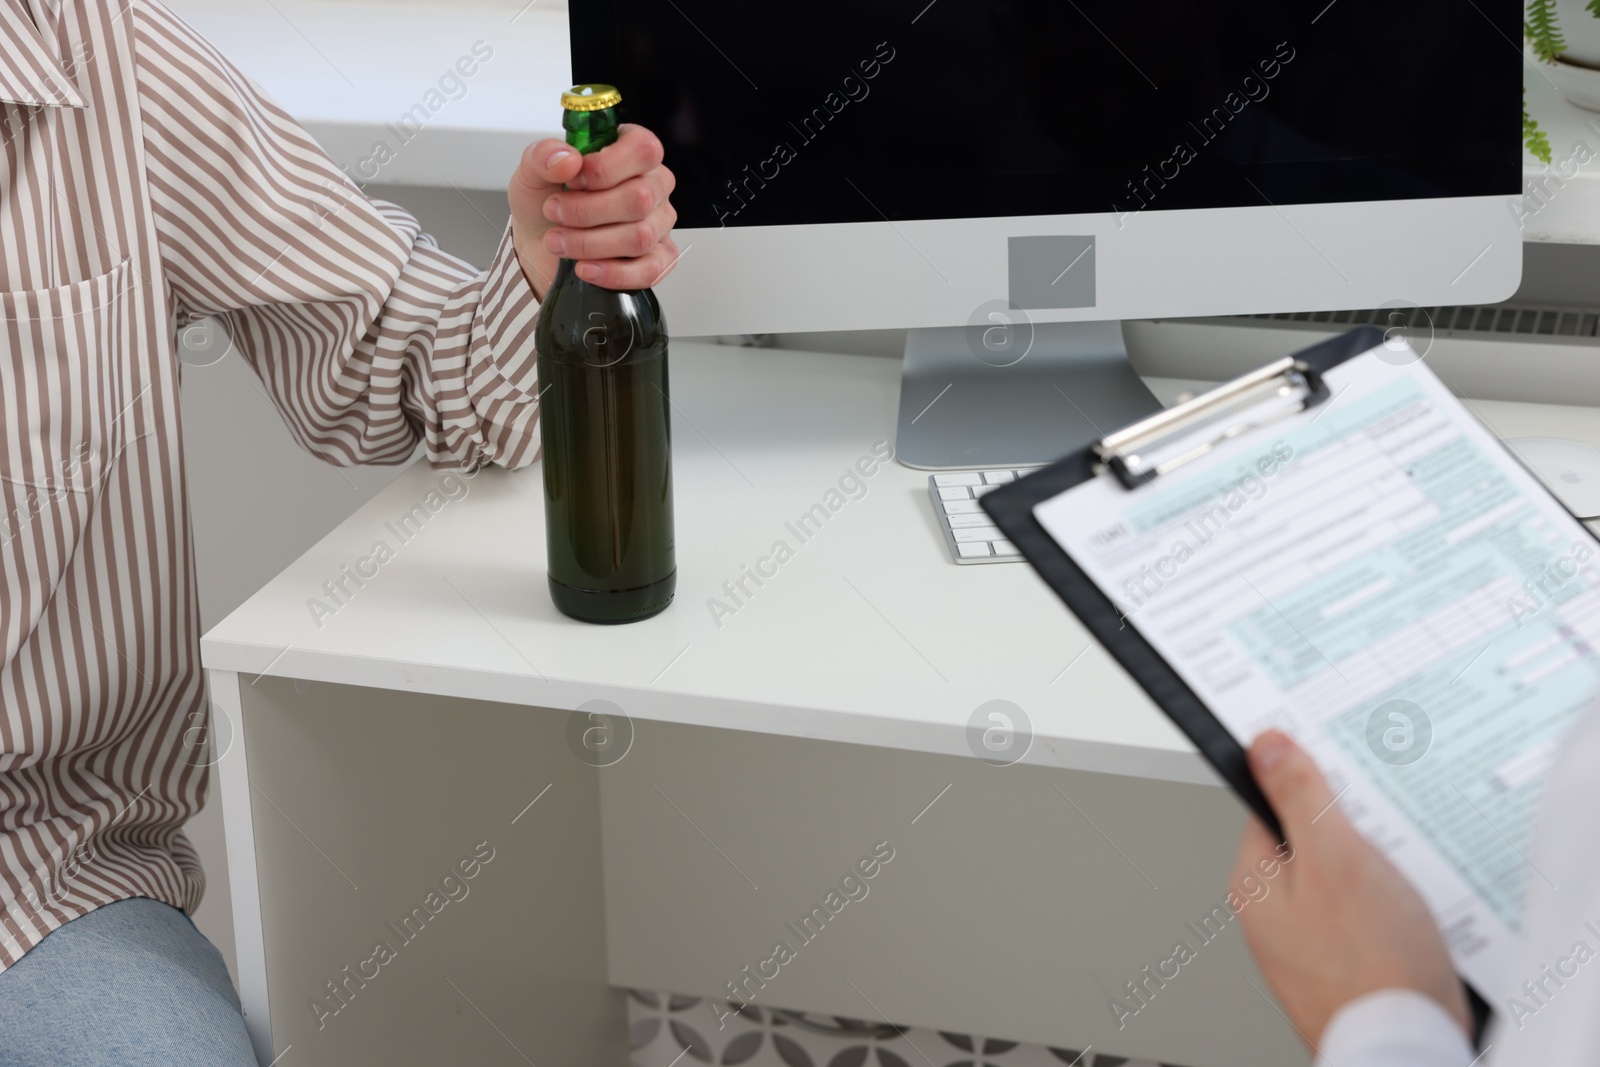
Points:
(1380, 578)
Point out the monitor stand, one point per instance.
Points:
(1013, 395)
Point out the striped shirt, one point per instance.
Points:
(145, 184)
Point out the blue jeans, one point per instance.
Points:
(132, 984)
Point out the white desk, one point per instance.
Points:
(770, 753)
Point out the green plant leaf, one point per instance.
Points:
(1543, 30)
(1533, 136)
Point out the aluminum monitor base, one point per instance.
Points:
(1013, 395)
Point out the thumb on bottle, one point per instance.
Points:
(1291, 781)
(548, 165)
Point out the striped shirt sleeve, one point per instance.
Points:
(366, 336)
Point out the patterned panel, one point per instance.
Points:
(672, 1030)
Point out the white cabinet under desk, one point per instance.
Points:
(403, 700)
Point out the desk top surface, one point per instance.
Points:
(868, 634)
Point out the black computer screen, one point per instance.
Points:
(825, 111)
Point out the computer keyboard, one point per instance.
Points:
(971, 536)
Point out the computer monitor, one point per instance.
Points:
(1012, 178)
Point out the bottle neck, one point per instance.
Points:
(566, 274)
(590, 131)
(587, 131)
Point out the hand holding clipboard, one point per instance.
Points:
(1335, 547)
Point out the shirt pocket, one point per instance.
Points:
(65, 420)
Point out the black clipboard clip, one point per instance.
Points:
(1148, 449)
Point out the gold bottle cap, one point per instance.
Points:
(590, 98)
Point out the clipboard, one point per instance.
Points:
(1143, 454)
(1135, 457)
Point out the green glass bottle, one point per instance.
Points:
(606, 425)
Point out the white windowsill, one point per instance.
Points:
(1563, 199)
(350, 69)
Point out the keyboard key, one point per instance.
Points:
(963, 522)
(978, 533)
(967, 524)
